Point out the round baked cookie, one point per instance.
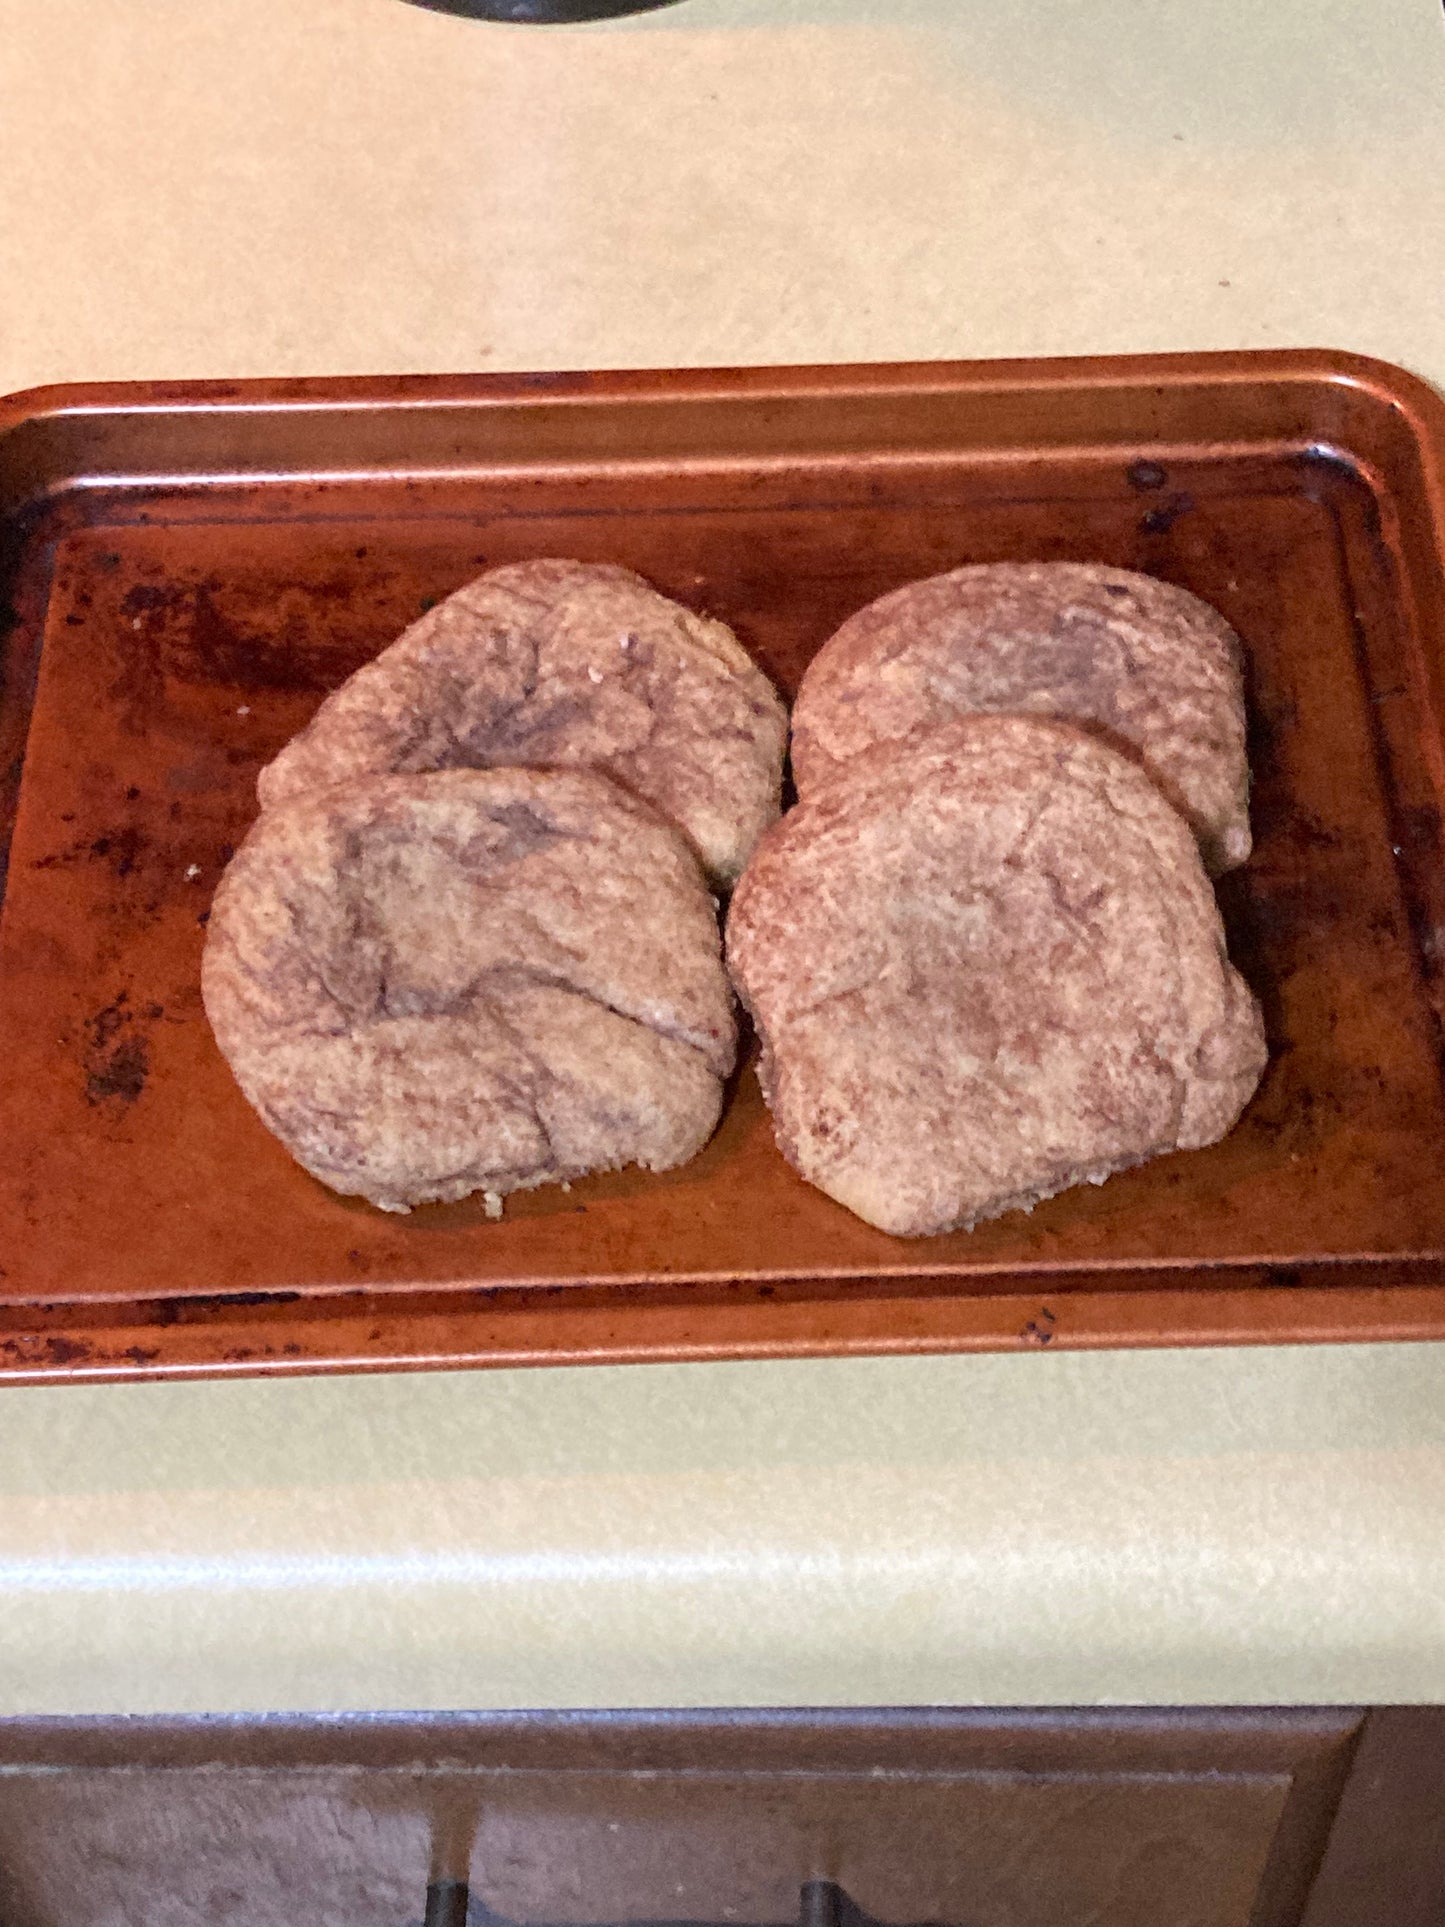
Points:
(470, 981)
(984, 965)
(566, 665)
(1141, 664)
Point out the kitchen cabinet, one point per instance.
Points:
(950, 1818)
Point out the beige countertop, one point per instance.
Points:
(231, 187)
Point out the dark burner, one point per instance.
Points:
(541, 13)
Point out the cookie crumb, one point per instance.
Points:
(193, 870)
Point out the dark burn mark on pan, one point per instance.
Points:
(146, 597)
(1041, 1330)
(137, 684)
(1160, 520)
(243, 1354)
(225, 1300)
(103, 1026)
(223, 651)
(121, 1075)
(121, 850)
(116, 1057)
(189, 633)
(50, 1351)
(1287, 1277)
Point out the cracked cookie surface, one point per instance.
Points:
(569, 665)
(470, 981)
(986, 965)
(1142, 664)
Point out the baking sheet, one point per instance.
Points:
(190, 570)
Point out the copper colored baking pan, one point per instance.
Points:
(189, 569)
